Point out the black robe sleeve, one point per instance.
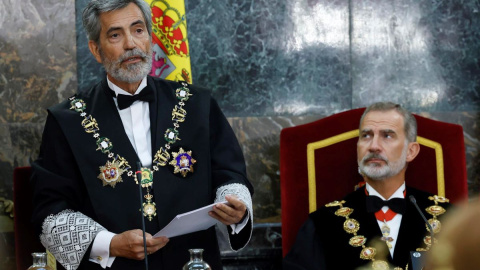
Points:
(228, 163)
(225, 147)
(56, 178)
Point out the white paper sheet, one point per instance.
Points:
(189, 222)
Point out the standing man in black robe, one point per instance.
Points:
(373, 227)
(86, 195)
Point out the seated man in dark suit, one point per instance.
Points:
(373, 227)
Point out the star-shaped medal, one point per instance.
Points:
(182, 162)
(111, 173)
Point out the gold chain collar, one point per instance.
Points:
(368, 253)
(116, 165)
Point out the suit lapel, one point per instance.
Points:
(160, 113)
(104, 110)
(153, 107)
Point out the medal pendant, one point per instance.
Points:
(344, 212)
(368, 253)
(386, 235)
(149, 207)
(182, 93)
(171, 135)
(78, 105)
(438, 199)
(351, 225)
(357, 241)
(435, 210)
(104, 145)
(182, 162)
(335, 203)
(385, 230)
(436, 225)
(147, 178)
(111, 173)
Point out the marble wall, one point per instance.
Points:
(37, 69)
(270, 64)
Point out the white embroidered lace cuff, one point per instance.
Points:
(243, 194)
(67, 235)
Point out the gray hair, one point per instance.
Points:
(409, 122)
(93, 10)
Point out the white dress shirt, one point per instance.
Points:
(394, 223)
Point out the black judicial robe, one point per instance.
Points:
(322, 243)
(65, 175)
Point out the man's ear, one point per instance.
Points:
(413, 150)
(95, 50)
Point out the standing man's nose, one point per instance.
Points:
(129, 42)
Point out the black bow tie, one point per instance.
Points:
(124, 101)
(374, 204)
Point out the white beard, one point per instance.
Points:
(134, 72)
(378, 172)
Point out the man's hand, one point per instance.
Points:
(230, 213)
(129, 244)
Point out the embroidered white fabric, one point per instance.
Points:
(242, 193)
(67, 235)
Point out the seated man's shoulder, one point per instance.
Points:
(329, 210)
(424, 197)
(416, 191)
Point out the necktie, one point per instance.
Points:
(374, 204)
(124, 101)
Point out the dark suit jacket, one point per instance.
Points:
(322, 243)
(65, 175)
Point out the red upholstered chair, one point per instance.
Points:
(318, 164)
(26, 241)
